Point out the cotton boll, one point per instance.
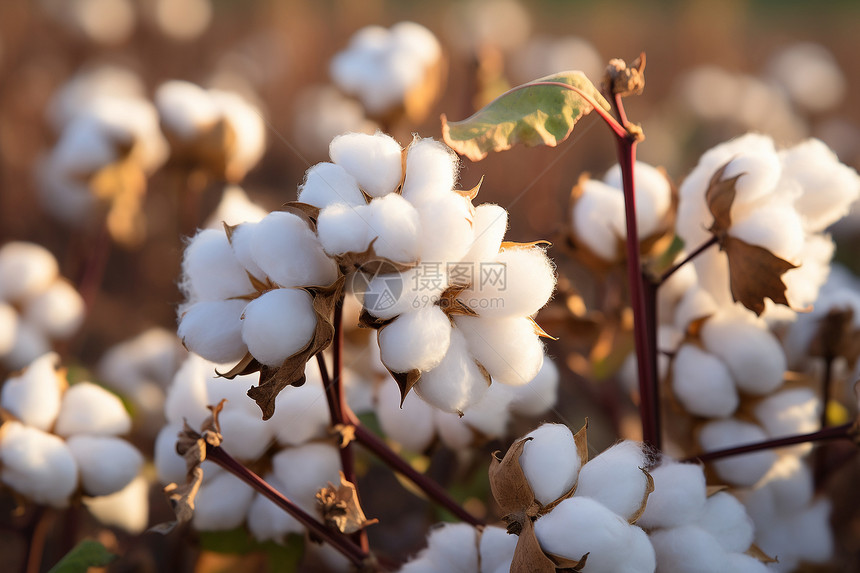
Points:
(597, 214)
(688, 549)
(742, 563)
(789, 412)
(508, 348)
(523, 282)
(678, 497)
(537, 396)
(804, 282)
(391, 294)
(8, 328)
(456, 382)
(169, 464)
(345, 229)
(490, 224)
(243, 248)
(776, 226)
(305, 469)
(57, 311)
(213, 329)
(188, 396)
(703, 383)
(742, 470)
(454, 432)
(550, 462)
(185, 108)
(412, 426)
(416, 340)
(725, 518)
(615, 478)
(34, 396)
(496, 549)
(580, 525)
(30, 343)
(37, 465)
(301, 414)
(374, 161)
(278, 325)
(422, 564)
(653, 196)
(695, 304)
(641, 557)
(752, 354)
(489, 415)
(267, 521)
(211, 270)
(431, 167)
(90, 409)
(446, 227)
(107, 464)
(289, 252)
(328, 184)
(25, 268)
(757, 173)
(245, 436)
(394, 223)
(453, 547)
(222, 503)
(127, 509)
(790, 484)
(810, 533)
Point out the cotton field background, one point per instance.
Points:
(433, 316)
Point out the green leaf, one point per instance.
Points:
(88, 553)
(530, 114)
(235, 541)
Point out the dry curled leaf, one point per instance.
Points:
(528, 555)
(340, 508)
(511, 489)
(649, 489)
(758, 553)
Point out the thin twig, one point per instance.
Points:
(699, 250)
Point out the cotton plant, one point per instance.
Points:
(38, 307)
(462, 548)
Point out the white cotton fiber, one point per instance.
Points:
(25, 269)
(211, 270)
(107, 464)
(597, 213)
(394, 222)
(537, 396)
(328, 184)
(703, 383)
(489, 415)
(752, 353)
(301, 414)
(810, 533)
(742, 563)
(422, 564)
(374, 161)
(446, 227)
(278, 324)
(90, 409)
(508, 348)
(695, 303)
(518, 283)
(641, 557)
(213, 329)
(185, 108)
(57, 311)
(580, 525)
(267, 521)
(550, 462)
(30, 343)
(653, 196)
(776, 226)
(490, 224)
(187, 396)
(127, 509)
(169, 464)
(726, 519)
(416, 340)
(615, 478)
(34, 396)
(222, 503)
(37, 465)
(496, 549)
(345, 229)
(246, 436)
(8, 327)
(290, 253)
(453, 430)
(305, 469)
(789, 412)
(412, 426)
(743, 470)
(453, 547)
(688, 549)
(790, 484)
(456, 382)
(391, 294)
(243, 248)
(678, 497)
(431, 167)
(758, 174)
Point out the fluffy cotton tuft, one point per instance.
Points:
(107, 464)
(411, 425)
(725, 518)
(678, 497)
(524, 284)
(25, 268)
(550, 462)
(703, 383)
(537, 396)
(508, 348)
(127, 509)
(688, 549)
(394, 223)
(278, 324)
(328, 184)
(34, 396)
(221, 503)
(36, 464)
(616, 478)
(416, 341)
(90, 409)
(456, 381)
(742, 470)
(213, 329)
(373, 160)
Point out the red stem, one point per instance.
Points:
(699, 250)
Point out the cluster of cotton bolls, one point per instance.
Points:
(62, 439)
(217, 130)
(383, 67)
(462, 548)
(598, 216)
(37, 306)
(302, 463)
(461, 310)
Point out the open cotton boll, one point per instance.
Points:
(579, 526)
(524, 283)
(374, 161)
(185, 108)
(25, 268)
(394, 222)
(615, 478)
(496, 549)
(412, 426)
(305, 469)
(453, 430)
(453, 547)
(550, 462)
(446, 227)
(301, 414)
(790, 485)
(456, 382)
(641, 557)
(278, 324)
(507, 347)
(597, 214)
(810, 533)
(245, 435)
(653, 197)
(289, 252)
(213, 329)
(328, 184)
(210, 269)
(170, 465)
(391, 294)
(243, 248)
(703, 383)
(431, 167)
(688, 549)
(57, 311)
(696, 303)
(743, 470)
(416, 340)
(537, 396)
(222, 503)
(188, 396)
(127, 509)
(489, 415)
(678, 497)
(789, 412)
(490, 224)
(90, 409)
(752, 354)
(267, 521)
(776, 226)
(726, 519)
(34, 395)
(345, 229)
(29, 344)
(37, 464)
(757, 173)
(107, 464)
(803, 283)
